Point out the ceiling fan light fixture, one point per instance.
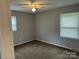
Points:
(33, 9)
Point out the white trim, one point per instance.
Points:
(73, 49)
(23, 43)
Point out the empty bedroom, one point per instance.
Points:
(39, 29)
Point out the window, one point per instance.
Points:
(14, 26)
(69, 25)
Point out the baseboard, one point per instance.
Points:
(71, 49)
(23, 43)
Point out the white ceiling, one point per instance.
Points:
(53, 4)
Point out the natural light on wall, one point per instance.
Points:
(14, 26)
(69, 25)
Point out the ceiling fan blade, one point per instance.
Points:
(20, 4)
(46, 4)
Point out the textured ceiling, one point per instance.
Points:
(52, 4)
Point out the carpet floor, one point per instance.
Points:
(41, 50)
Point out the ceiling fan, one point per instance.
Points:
(33, 5)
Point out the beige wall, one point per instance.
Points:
(47, 27)
(6, 38)
(25, 27)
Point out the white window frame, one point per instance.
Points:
(77, 28)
